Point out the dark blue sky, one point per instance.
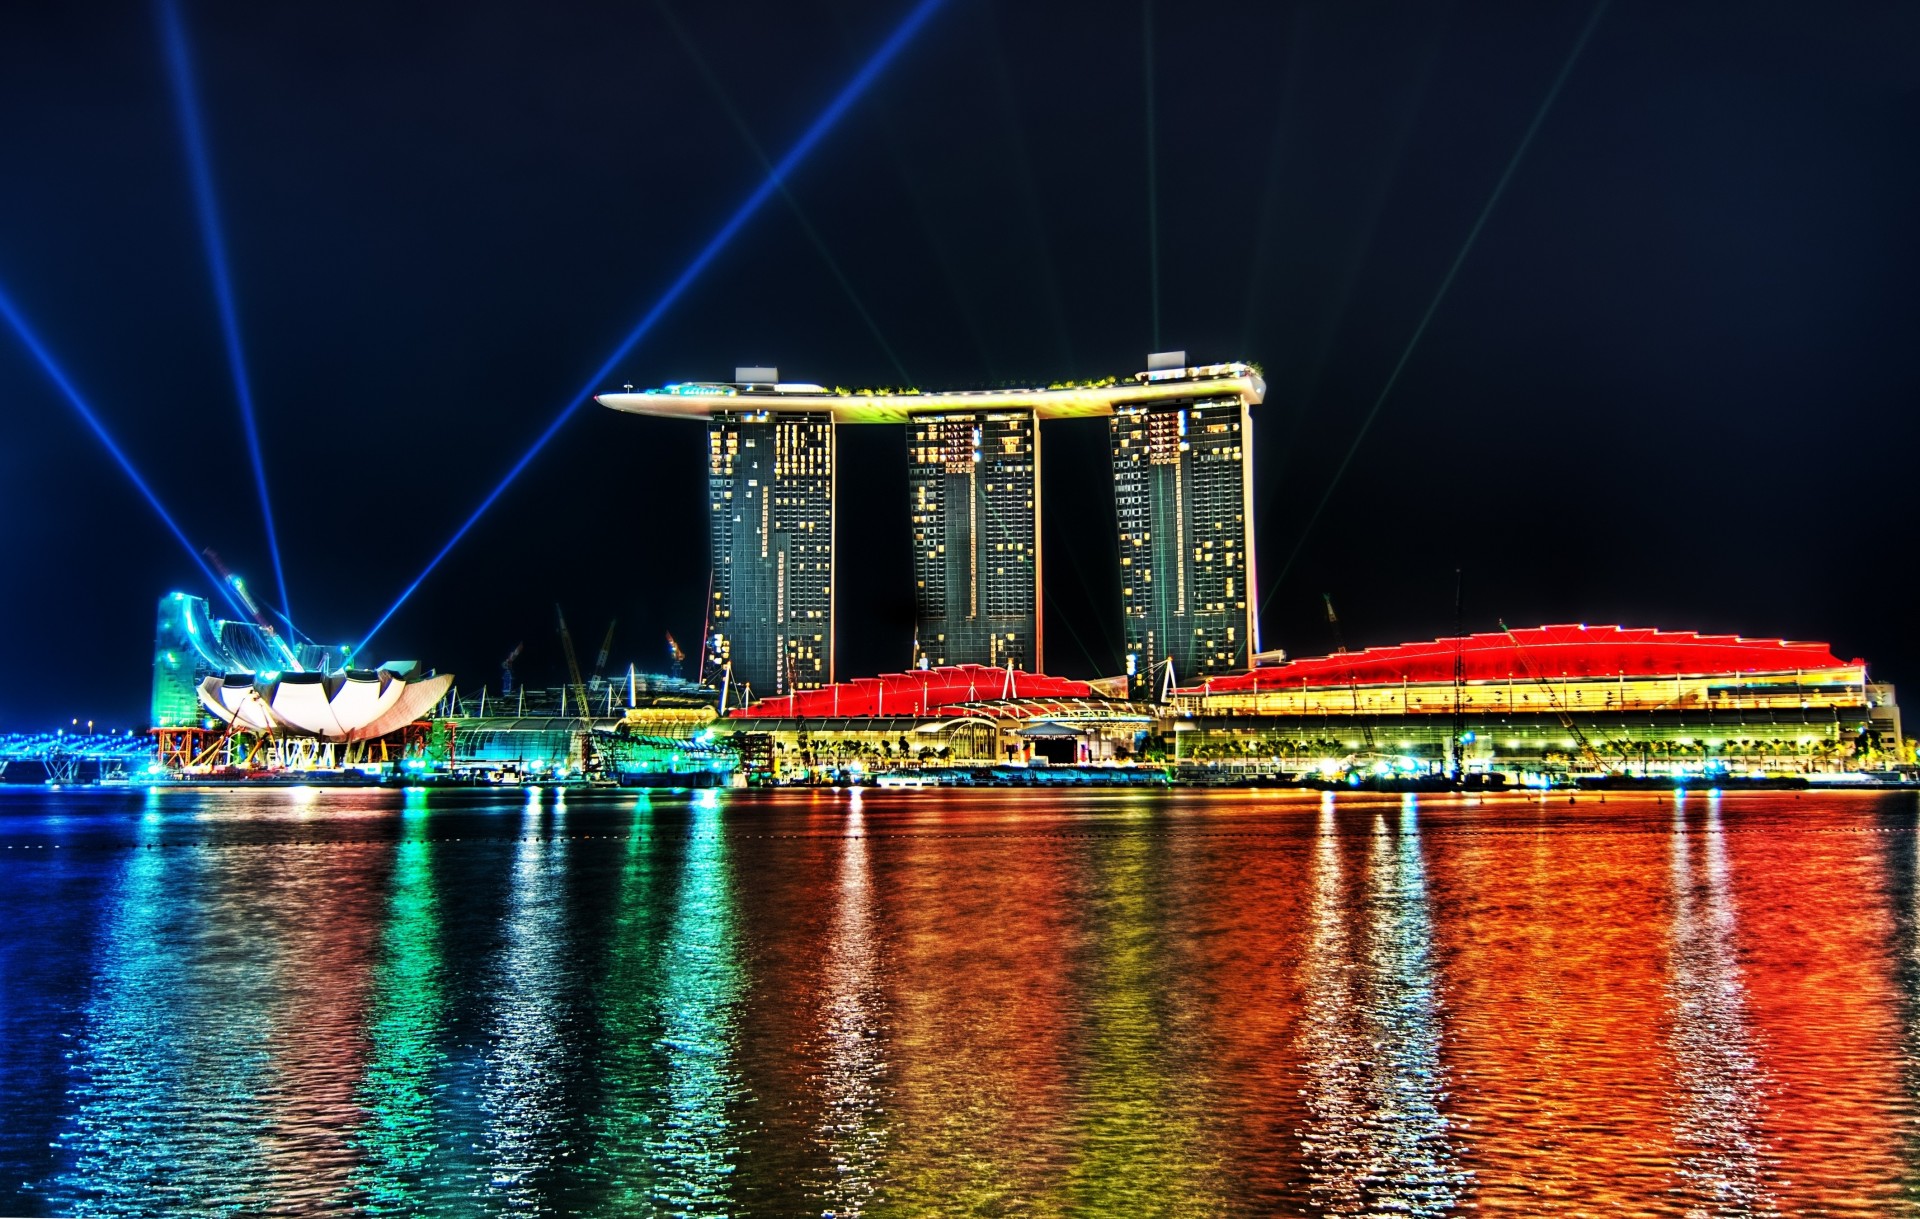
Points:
(1671, 386)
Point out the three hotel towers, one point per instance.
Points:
(1181, 445)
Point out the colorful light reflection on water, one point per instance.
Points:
(899, 1003)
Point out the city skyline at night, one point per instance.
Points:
(1691, 249)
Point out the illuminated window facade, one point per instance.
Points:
(973, 489)
(1182, 489)
(770, 501)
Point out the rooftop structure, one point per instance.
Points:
(1060, 400)
(952, 715)
(920, 692)
(347, 705)
(1546, 652)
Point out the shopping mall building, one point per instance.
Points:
(1601, 698)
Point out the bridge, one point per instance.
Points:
(73, 757)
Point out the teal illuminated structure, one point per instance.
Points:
(1182, 469)
(190, 644)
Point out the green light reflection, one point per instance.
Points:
(530, 1052)
(406, 1012)
(694, 1148)
(1138, 1130)
(174, 1031)
(631, 1069)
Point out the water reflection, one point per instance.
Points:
(530, 1050)
(1903, 883)
(851, 1129)
(1378, 1139)
(630, 1065)
(695, 1148)
(406, 1011)
(991, 1003)
(172, 1062)
(1717, 1125)
(1137, 1129)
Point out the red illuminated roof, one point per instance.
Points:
(920, 692)
(1549, 652)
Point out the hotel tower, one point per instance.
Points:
(1182, 499)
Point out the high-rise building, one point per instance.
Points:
(1182, 491)
(770, 499)
(1182, 488)
(973, 487)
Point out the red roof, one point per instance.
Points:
(1542, 652)
(917, 693)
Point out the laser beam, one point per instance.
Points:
(745, 133)
(180, 67)
(54, 372)
(1433, 306)
(1153, 172)
(826, 121)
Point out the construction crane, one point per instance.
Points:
(606, 647)
(1456, 762)
(573, 664)
(506, 669)
(589, 758)
(1553, 699)
(1353, 687)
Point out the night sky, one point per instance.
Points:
(1673, 383)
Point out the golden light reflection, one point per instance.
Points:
(1718, 1119)
(852, 1128)
(1378, 1138)
(529, 1049)
(979, 990)
(1139, 1112)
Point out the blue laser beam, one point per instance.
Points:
(875, 65)
(1440, 294)
(54, 372)
(193, 133)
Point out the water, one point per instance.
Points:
(986, 1003)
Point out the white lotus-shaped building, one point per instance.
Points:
(349, 705)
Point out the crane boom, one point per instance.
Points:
(1353, 687)
(1456, 749)
(606, 647)
(573, 664)
(1566, 717)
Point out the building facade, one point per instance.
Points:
(974, 503)
(1182, 493)
(1590, 699)
(770, 501)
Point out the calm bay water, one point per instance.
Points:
(991, 1003)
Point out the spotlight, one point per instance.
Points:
(59, 378)
(191, 131)
(835, 110)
